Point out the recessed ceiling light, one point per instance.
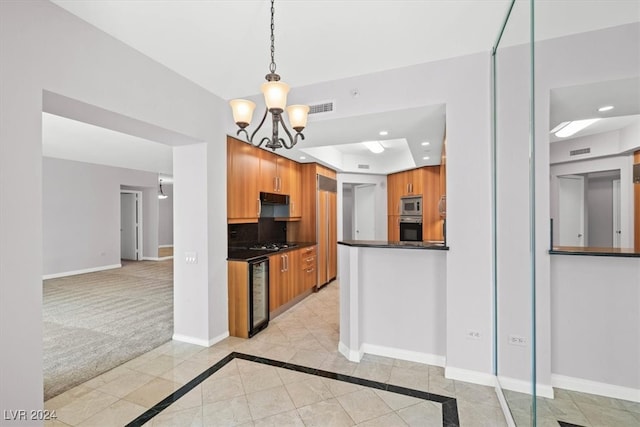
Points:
(606, 108)
(384, 133)
(560, 126)
(374, 146)
(425, 143)
(425, 158)
(303, 158)
(575, 127)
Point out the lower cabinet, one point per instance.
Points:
(393, 228)
(291, 274)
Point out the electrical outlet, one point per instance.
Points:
(473, 335)
(517, 340)
(191, 257)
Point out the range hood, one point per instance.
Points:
(274, 198)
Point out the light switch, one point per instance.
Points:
(191, 257)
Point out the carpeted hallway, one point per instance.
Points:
(96, 321)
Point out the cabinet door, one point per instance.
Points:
(268, 171)
(416, 181)
(243, 166)
(276, 281)
(295, 190)
(283, 171)
(394, 185)
(294, 275)
(333, 237)
(431, 221)
(393, 228)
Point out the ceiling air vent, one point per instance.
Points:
(363, 166)
(580, 151)
(327, 107)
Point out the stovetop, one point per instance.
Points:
(272, 246)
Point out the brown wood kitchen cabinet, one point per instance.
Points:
(291, 274)
(251, 170)
(243, 167)
(425, 182)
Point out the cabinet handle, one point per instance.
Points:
(286, 257)
(293, 207)
(279, 184)
(310, 270)
(309, 259)
(259, 207)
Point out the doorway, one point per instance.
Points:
(571, 210)
(364, 212)
(131, 229)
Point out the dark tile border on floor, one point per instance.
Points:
(566, 424)
(449, 404)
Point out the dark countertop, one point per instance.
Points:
(395, 245)
(593, 251)
(251, 254)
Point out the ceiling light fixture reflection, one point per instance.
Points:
(605, 108)
(303, 158)
(374, 146)
(425, 143)
(574, 127)
(384, 133)
(560, 126)
(425, 158)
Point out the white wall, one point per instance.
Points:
(596, 316)
(380, 202)
(81, 214)
(44, 48)
(165, 220)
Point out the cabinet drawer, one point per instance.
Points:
(311, 250)
(308, 262)
(309, 277)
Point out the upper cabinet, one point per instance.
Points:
(401, 184)
(251, 170)
(243, 167)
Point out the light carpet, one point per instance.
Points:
(94, 322)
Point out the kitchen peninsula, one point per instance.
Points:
(384, 315)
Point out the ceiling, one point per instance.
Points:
(315, 42)
(583, 101)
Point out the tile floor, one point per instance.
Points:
(575, 408)
(247, 393)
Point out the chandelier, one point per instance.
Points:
(275, 97)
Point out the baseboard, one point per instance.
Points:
(508, 416)
(149, 258)
(165, 246)
(521, 386)
(412, 356)
(594, 387)
(351, 355)
(474, 377)
(198, 341)
(83, 271)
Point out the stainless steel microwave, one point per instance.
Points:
(411, 205)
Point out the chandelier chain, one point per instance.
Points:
(272, 66)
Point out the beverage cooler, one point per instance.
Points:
(258, 295)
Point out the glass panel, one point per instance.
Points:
(514, 204)
(587, 60)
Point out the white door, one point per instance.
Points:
(571, 210)
(364, 212)
(617, 221)
(129, 226)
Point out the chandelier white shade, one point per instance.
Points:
(242, 110)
